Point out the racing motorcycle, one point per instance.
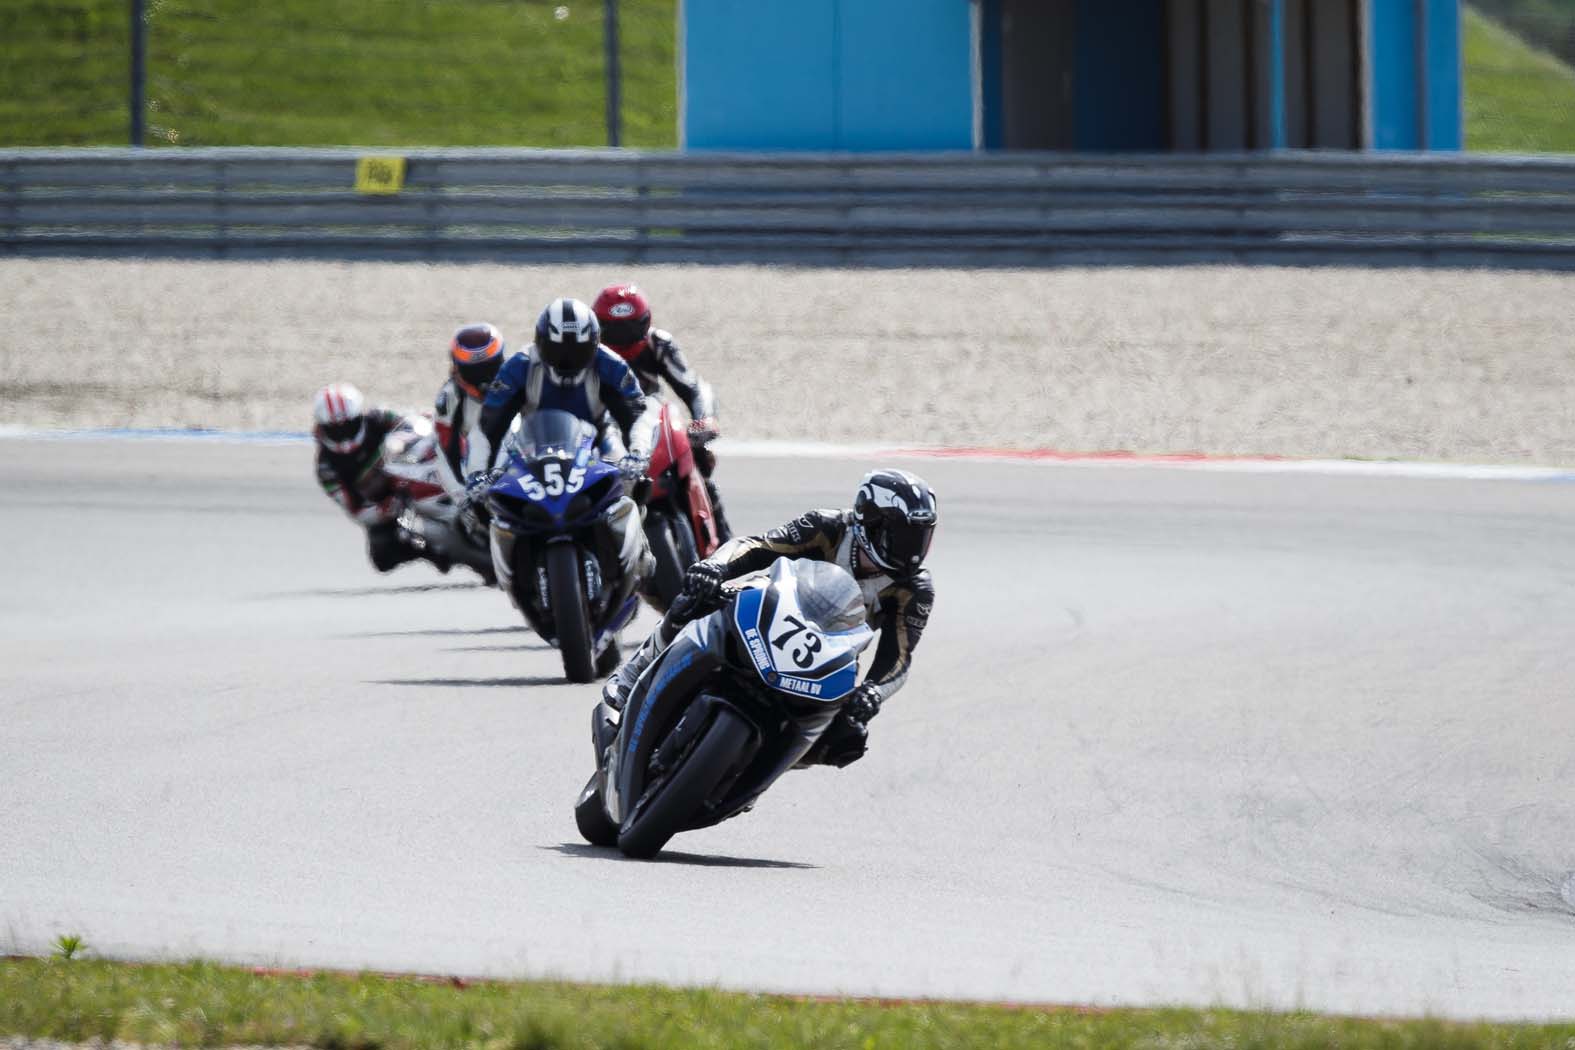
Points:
(428, 519)
(680, 524)
(737, 700)
(548, 547)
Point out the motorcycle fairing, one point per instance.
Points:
(554, 478)
(821, 665)
(686, 489)
(656, 701)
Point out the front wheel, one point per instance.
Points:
(684, 540)
(688, 787)
(668, 579)
(590, 815)
(569, 615)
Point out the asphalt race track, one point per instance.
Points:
(1278, 740)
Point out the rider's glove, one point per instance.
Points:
(632, 467)
(473, 514)
(472, 519)
(700, 594)
(864, 704)
(703, 582)
(477, 484)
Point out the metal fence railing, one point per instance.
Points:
(900, 209)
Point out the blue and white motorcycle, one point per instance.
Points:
(550, 547)
(737, 700)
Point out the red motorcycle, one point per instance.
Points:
(680, 523)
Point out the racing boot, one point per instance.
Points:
(615, 691)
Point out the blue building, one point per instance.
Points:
(1149, 75)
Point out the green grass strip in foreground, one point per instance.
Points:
(202, 1004)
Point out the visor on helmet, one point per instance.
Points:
(901, 540)
(475, 377)
(624, 333)
(566, 362)
(343, 436)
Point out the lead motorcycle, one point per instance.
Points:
(548, 547)
(737, 700)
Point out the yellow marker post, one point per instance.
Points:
(379, 174)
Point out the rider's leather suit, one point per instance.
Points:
(456, 416)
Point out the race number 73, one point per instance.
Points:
(809, 643)
(553, 481)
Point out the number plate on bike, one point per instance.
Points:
(552, 478)
(790, 651)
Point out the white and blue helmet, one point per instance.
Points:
(567, 335)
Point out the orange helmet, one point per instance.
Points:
(477, 353)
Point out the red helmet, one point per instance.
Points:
(626, 319)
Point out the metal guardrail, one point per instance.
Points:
(892, 209)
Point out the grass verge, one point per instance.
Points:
(360, 72)
(202, 1004)
(1517, 99)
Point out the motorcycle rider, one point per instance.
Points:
(625, 317)
(882, 541)
(568, 369)
(475, 357)
(349, 435)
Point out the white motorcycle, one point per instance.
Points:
(429, 519)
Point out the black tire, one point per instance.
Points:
(684, 540)
(668, 579)
(591, 817)
(569, 615)
(710, 759)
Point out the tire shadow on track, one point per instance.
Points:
(369, 592)
(434, 632)
(485, 683)
(667, 856)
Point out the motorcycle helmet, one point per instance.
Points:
(895, 513)
(339, 414)
(477, 354)
(625, 317)
(567, 336)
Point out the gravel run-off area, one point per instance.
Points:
(1470, 366)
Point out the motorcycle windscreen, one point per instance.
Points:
(551, 432)
(804, 629)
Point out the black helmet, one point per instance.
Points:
(567, 335)
(477, 354)
(896, 518)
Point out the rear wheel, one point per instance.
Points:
(590, 814)
(569, 615)
(687, 788)
(668, 579)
